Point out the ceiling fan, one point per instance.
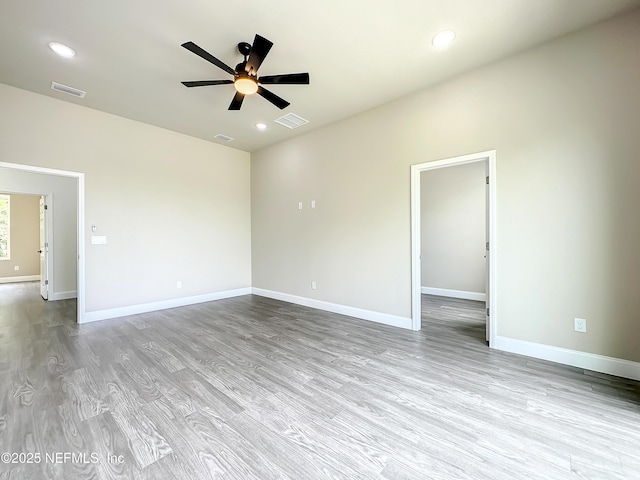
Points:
(245, 76)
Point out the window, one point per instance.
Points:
(5, 209)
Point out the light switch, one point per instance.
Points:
(98, 240)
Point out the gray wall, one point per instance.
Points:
(563, 118)
(453, 225)
(63, 193)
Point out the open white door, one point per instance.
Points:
(486, 256)
(44, 247)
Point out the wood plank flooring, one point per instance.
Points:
(253, 388)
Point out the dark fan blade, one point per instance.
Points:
(288, 79)
(236, 103)
(204, 83)
(273, 98)
(192, 47)
(259, 50)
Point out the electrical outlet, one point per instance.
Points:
(16, 268)
(580, 325)
(179, 284)
(313, 285)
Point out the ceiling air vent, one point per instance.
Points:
(291, 120)
(68, 90)
(223, 138)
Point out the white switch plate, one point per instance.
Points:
(16, 268)
(98, 240)
(179, 284)
(313, 285)
(299, 205)
(580, 324)
(313, 204)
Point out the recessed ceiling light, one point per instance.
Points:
(62, 50)
(443, 39)
(261, 126)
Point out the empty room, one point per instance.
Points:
(320, 240)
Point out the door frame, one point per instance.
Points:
(80, 224)
(416, 269)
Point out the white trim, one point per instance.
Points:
(80, 282)
(63, 295)
(80, 228)
(162, 305)
(384, 318)
(22, 278)
(446, 292)
(416, 273)
(575, 358)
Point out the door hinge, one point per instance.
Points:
(487, 246)
(487, 180)
(46, 207)
(487, 312)
(46, 282)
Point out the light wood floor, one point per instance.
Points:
(253, 388)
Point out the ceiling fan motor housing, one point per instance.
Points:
(240, 68)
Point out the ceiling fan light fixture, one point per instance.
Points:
(245, 85)
(62, 50)
(443, 39)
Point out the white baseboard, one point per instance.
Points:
(385, 318)
(63, 295)
(446, 292)
(588, 361)
(23, 278)
(162, 305)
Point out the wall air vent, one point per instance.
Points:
(291, 120)
(68, 90)
(223, 138)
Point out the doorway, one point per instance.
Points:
(50, 175)
(489, 159)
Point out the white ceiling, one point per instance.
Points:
(359, 53)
